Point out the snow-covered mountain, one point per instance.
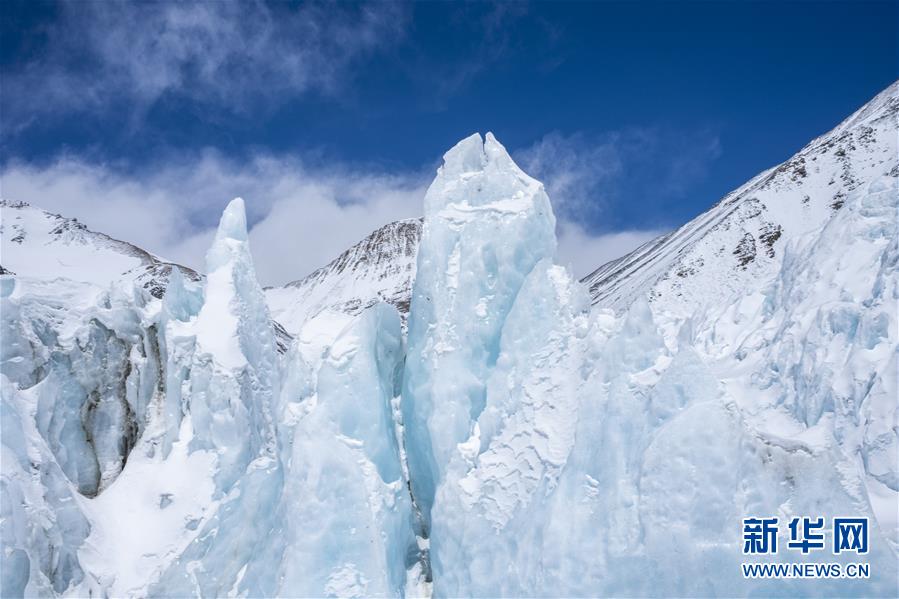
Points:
(720, 253)
(381, 267)
(43, 245)
(526, 435)
(740, 241)
(37, 244)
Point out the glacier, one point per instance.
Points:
(179, 455)
(519, 438)
(582, 452)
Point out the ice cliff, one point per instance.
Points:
(517, 442)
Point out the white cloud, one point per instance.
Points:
(577, 174)
(587, 175)
(232, 56)
(584, 252)
(300, 217)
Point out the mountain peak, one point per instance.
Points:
(41, 244)
(380, 267)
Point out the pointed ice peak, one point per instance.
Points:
(474, 154)
(230, 237)
(466, 156)
(230, 287)
(478, 172)
(495, 151)
(233, 224)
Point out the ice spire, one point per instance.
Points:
(228, 263)
(176, 346)
(487, 224)
(233, 393)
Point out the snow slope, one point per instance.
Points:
(43, 245)
(728, 249)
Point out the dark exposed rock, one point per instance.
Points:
(745, 250)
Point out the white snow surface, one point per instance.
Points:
(42, 245)
(531, 436)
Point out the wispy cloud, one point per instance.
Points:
(110, 60)
(492, 32)
(226, 55)
(589, 175)
(576, 172)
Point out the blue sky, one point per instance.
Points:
(143, 120)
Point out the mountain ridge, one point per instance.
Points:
(25, 219)
(49, 245)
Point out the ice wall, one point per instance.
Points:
(80, 373)
(348, 520)
(91, 365)
(41, 523)
(497, 480)
(176, 345)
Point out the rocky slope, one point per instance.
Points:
(381, 267)
(742, 238)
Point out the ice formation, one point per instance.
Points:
(585, 454)
(348, 512)
(235, 460)
(487, 224)
(518, 442)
